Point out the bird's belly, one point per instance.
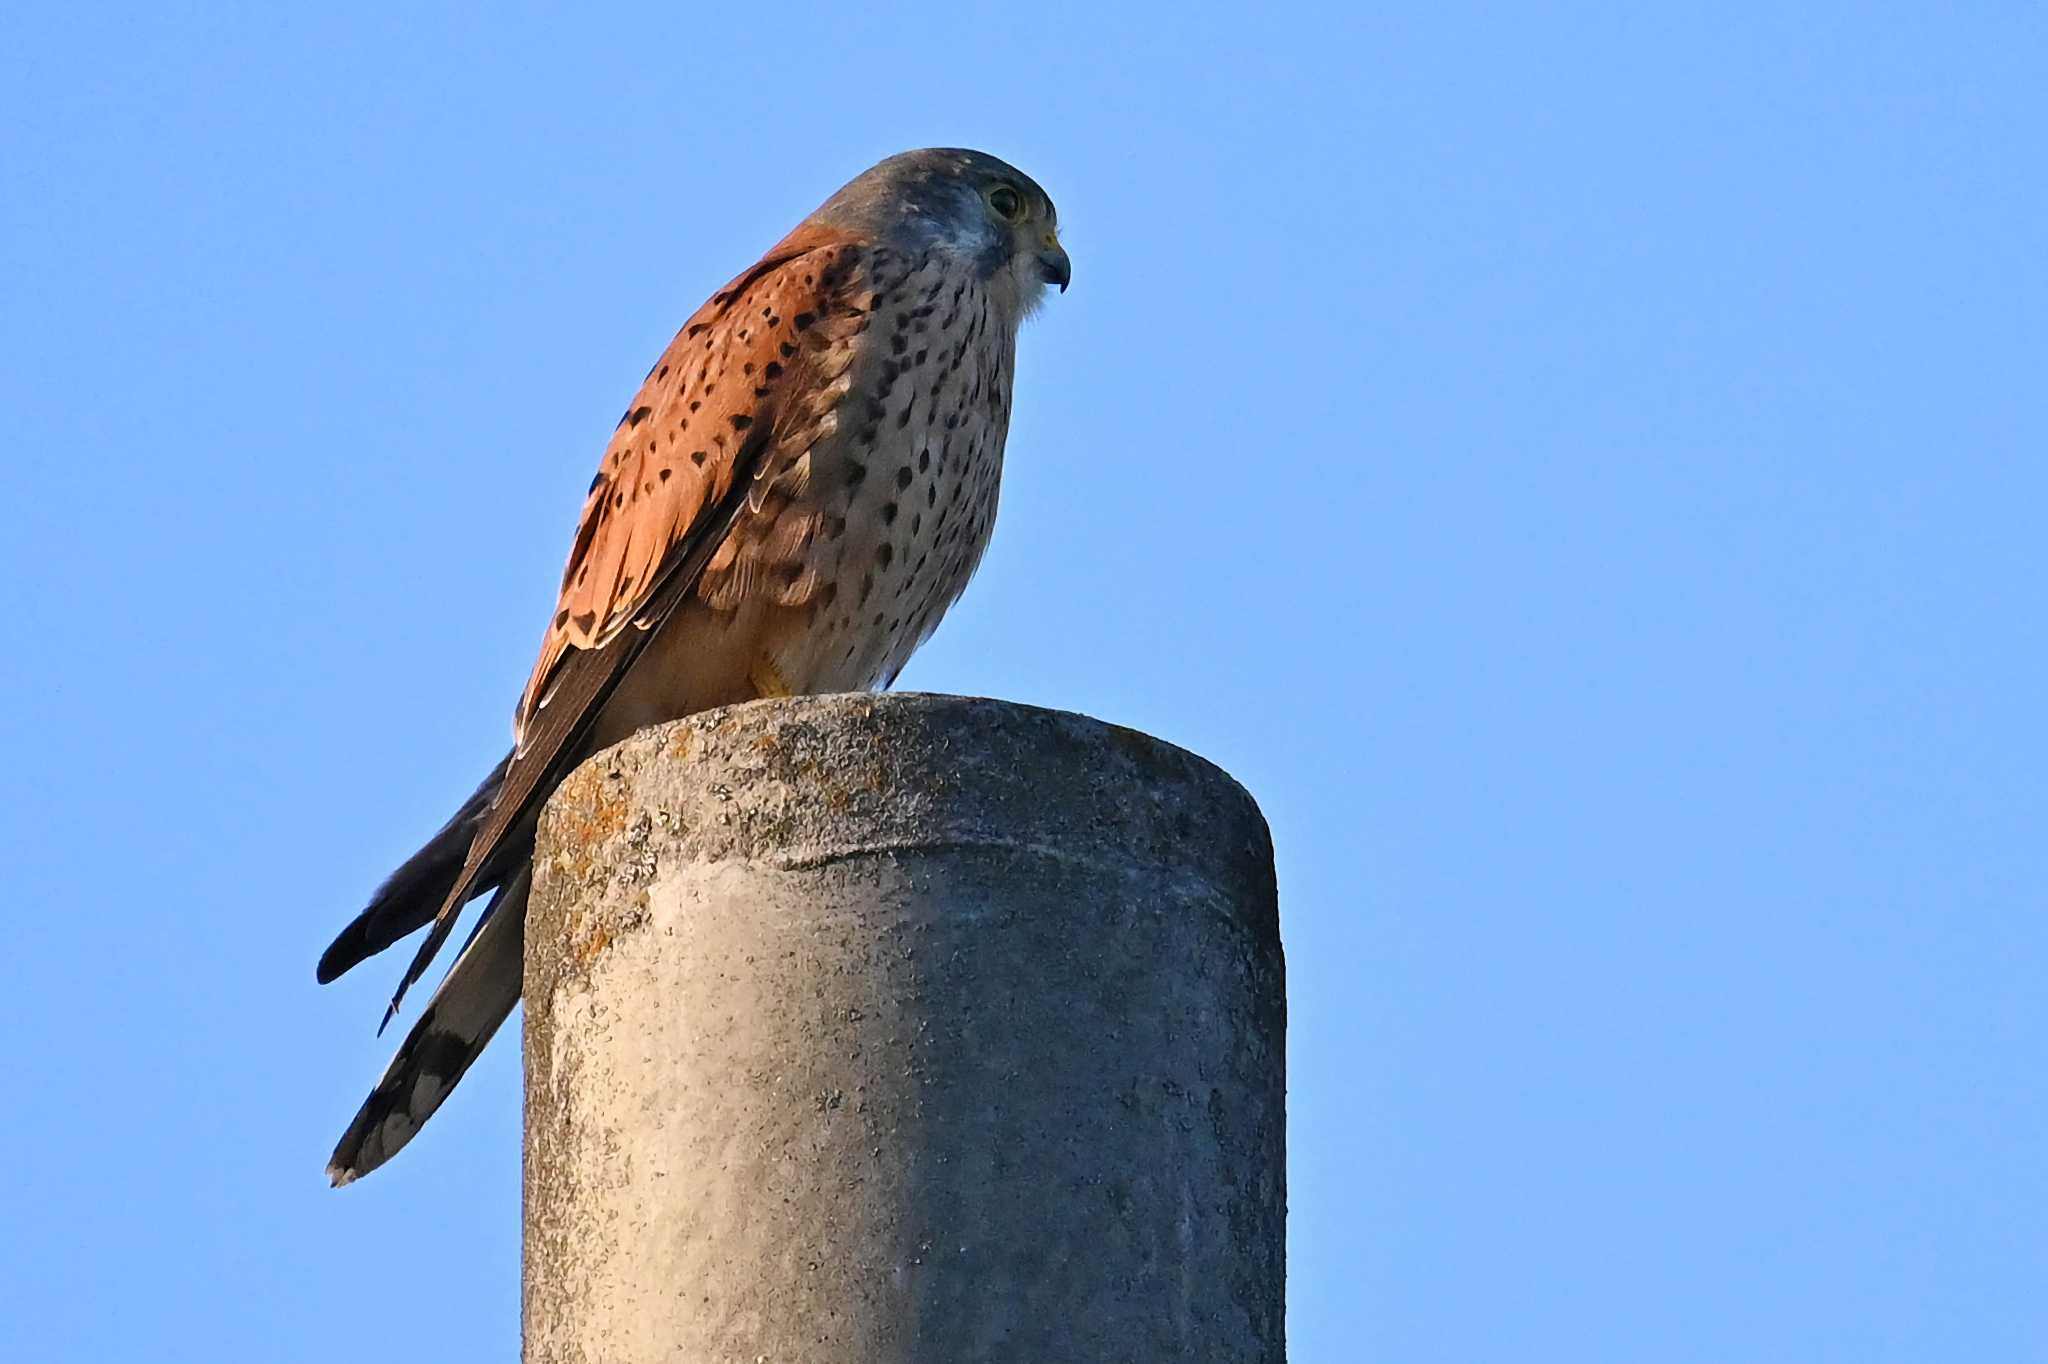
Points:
(910, 534)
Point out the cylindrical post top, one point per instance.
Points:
(813, 778)
(903, 1028)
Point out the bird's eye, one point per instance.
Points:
(1008, 204)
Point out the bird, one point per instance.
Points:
(801, 488)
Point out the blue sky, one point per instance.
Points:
(1583, 470)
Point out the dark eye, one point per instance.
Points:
(1008, 204)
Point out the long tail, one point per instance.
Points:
(413, 894)
(477, 995)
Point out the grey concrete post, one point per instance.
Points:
(894, 1029)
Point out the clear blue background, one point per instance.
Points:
(1583, 470)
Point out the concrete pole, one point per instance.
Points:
(903, 1030)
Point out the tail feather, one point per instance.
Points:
(413, 894)
(477, 995)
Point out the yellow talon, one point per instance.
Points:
(768, 681)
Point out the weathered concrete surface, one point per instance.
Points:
(877, 1029)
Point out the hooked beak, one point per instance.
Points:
(1053, 261)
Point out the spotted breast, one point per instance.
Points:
(865, 542)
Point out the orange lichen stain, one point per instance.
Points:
(682, 743)
(583, 816)
(589, 932)
(587, 942)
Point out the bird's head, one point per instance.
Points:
(983, 211)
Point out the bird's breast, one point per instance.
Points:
(907, 483)
(870, 535)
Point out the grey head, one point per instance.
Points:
(981, 210)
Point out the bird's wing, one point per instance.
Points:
(748, 384)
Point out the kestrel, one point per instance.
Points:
(800, 489)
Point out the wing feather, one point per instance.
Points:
(731, 407)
